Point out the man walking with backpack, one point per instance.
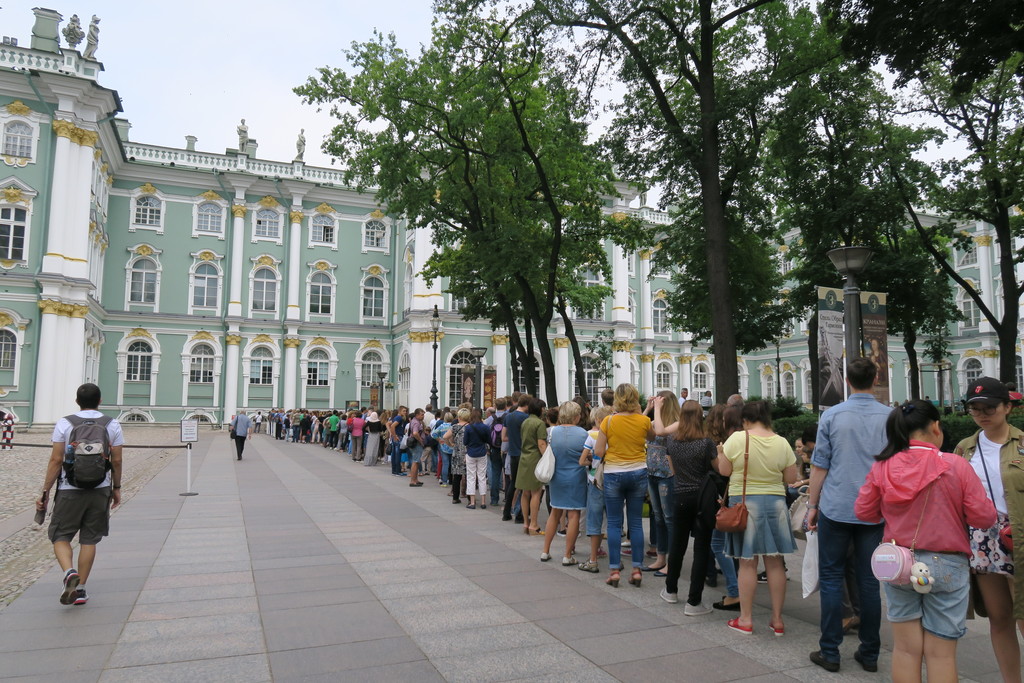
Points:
(496, 449)
(86, 465)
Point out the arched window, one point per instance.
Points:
(663, 375)
(372, 364)
(321, 293)
(455, 376)
(140, 362)
(210, 218)
(789, 384)
(13, 226)
(147, 210)
(323, 229)
(134, 417)
(264, 290)
(375, 234)
(592, 380)
(1019, 374)
(261, 366)
(317, 368)
(268, 223)
(205, 286)
(768, 385)
(660, 316)
(700, 377)
(8, 349)
(972, 370)
(143, 282)
(200, 369)
(522, 375)
(18, 140)
(969, 309)
(969, 258)
(457, 303)
(373, 297)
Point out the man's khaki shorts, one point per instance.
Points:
(85, 512)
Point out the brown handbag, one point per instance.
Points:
(734, 519)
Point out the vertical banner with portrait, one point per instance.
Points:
(469, 384)
(875, 339)
(375, 396)
(831, 380)
(490, 385)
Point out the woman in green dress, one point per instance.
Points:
(534, 434)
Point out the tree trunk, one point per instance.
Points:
(529, 358)
(1007, 329)
(513, 352)
(812, 356)
(577, 357)
(547, 362)
(909, 345)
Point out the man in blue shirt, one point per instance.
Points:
(850, 435)
(511, 433)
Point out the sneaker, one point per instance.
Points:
(544, 557)
(81, 597)
(626, 545)
(560, 532)
(696, 610)
(762, 577)
(71, 580)
(820, 660)
(588, 566)
(670, 598)
(569, 561)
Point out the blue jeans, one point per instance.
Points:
(396, 458)
(495, 472)
(446, 464)
(834, 539)
(662, 506)
(725, 563)
(629, 489)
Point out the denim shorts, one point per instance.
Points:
(595, 509)
(768, 530)
(943, 611)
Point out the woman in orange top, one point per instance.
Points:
(622, 444)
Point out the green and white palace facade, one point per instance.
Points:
(194, 284)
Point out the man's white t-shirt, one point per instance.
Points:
(62, 430)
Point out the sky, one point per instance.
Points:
(197, 68)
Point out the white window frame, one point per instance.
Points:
(789, 384)
(28, 138)
(700, 369)
(973, 321)
(137, 196)
(33, 120)
(204, 359)
(129, 269)
(247, 357)
(968, 257)
(365, 366)
(662, 328)
(971, 369)
(194, 276)
(254, 214)
(332, 370)
(663, 372)
(265, 357)
(591, 380)
(382, 273)
(313, 220)
(318, 357)
(26, 203)
(450, 385)
(186, 367)
(385, 240)
(273, 267)
(122, 364)
(332, 297)
(198, 205)
(8, 255)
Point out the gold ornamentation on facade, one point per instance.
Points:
(147, 188)
(377, 214)
(97, 153)
(7, 263)
(18, 108)
(645, 254)
(983, 240)
(292, 342)
(211, 196)
(233, 340)
(971, 353)
(262, 339)
(50, 307)
(79, 136)
(622, 346)
(238, 210)
(265, 261)
(104, 167)
(202, 335)
(425, 337)
(319, 341)
(295, 216)
(324, 208)
(783, 248)
(144, 250)
(207, 255)
(618, 216)
(139, 332)
(322, 265)
(5, 320)
(374, 270)
(703, 356)
(685, 360)
(646, 357)
(990, 353)
(664, 356)
(560, 342)
(787, 367)
(499, 339)
(14, 195)
(660, 294)
(269, 202)
(373, 344)
(767, 371)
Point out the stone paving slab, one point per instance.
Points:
(298, 564)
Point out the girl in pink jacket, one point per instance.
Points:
(927, 499)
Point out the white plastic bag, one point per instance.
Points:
(809, 576)
(545, 469)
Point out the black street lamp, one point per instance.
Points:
(778, 371)
(382, 374)
(851, 262)
(478, 353)
(435, 325)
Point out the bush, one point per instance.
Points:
(960, 426)
(791, 428)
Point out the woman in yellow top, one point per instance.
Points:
(771, 465)
(622, 443)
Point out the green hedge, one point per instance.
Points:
(791, 428)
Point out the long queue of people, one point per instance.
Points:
(869, 472)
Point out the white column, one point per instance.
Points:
(75, 367)
(983, 247)
(48, 405)
(421, 367)
(990, 363)
(424, 296)
(685, 374)
(563, 388)
(231, 374)
(292, 266)
(646, 302)
(291, 362)
(501, 366)
(238, 210)
(620, 286)
(620, 359)
(647, 373)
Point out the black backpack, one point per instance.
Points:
(87, 452)
(497, 426)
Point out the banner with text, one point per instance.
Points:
(875, 339)
(831, 382)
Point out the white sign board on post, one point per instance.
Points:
(189, 435)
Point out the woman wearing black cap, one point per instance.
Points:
(996, 452)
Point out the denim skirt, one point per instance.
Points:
(768, 530)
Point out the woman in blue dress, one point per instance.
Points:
(568, 487)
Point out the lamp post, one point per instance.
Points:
(435, 325)
(851, 262)
(778, 371)
(478, 353)
(382, 374)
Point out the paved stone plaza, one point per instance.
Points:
(298, 564)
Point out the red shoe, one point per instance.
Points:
(734, 624)
(779, 631)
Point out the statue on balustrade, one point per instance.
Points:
(93, 39)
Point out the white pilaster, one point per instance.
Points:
(646, 373)
(238, 210)
(685, 375)
(421, 363)
(232, 341)
(501, 367)
(620, 360)
(291, 363)
(983, 247)
(620, 286)
(424, 296)
(293, 267)
(646, 302)
(563, 388)
(47, 402)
